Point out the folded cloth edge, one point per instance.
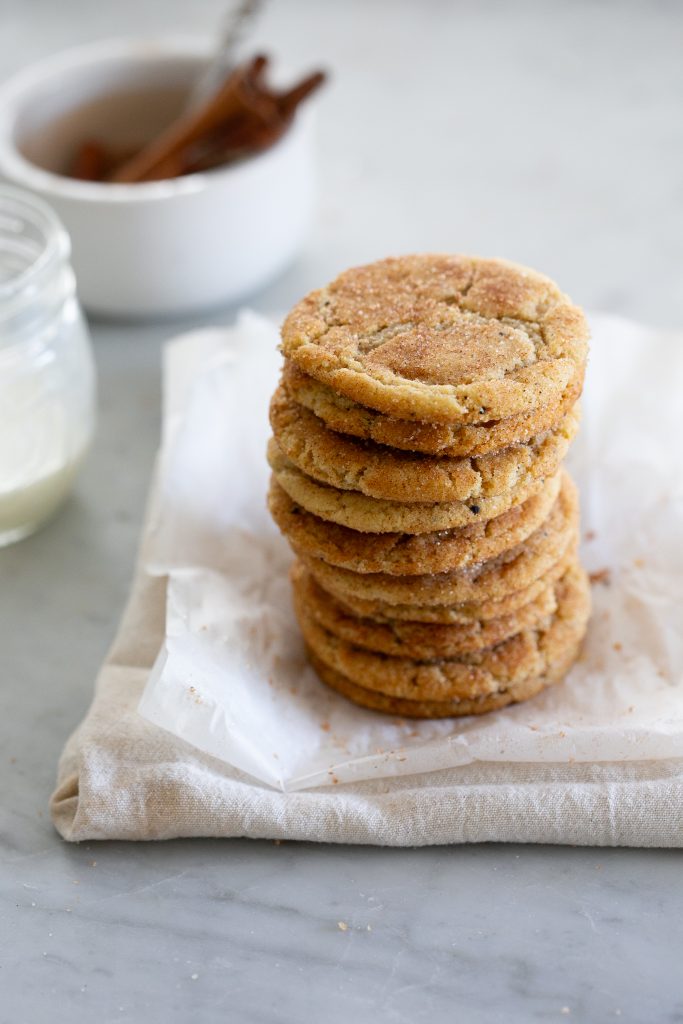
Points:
(122, 778)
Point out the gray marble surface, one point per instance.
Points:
(546, 133)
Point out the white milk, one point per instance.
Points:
(40, 453)
(46, 372)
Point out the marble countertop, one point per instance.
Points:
(548, 134)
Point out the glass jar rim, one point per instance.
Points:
(56, 246)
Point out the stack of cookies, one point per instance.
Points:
(425, 409)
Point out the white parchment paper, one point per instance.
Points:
(232, 678)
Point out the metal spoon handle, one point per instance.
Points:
(237, 23)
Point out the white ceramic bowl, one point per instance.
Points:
(158, 248)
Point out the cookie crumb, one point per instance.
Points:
(617, 646)
(639, 563)
(342, 926)
(601, 576)
(590, 535)
(325, 726)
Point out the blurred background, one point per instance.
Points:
(550, 133)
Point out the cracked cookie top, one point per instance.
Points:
(440, 338)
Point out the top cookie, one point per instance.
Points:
(446, 339)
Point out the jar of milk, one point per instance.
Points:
(47, 380)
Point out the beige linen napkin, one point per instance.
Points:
(121, 778)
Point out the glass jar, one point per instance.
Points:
(47, 378)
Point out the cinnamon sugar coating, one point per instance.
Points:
(511, 571)
(403, 554)
(445, 339)
(424, 411)
(453, 439)
(381, 472)
(530, 654)
(417, 640)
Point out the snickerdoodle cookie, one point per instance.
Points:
(492, 580)
(379, 515)
(514, 694)
(464, 613)
(416, 640)
(447, 339)
(380, 472)
(425, 408)
(347, 417)
(530, 654)
(402, 554)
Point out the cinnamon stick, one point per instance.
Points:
(243, 118)
(89, 162)
(228, 101)
(289, 101)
